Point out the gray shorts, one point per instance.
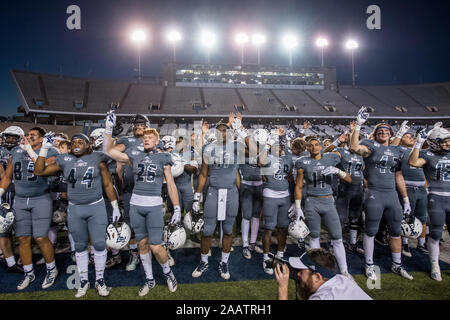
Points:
(376, 204)
(88, 221)
(185, 196)
(439, 212)
(251, 201)
(418, 198)
(275, 211)
(349, 202)
(148, 222)
(33, 216)
(318, 209)
(210, 211)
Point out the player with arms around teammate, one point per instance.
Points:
(33, 205)
(383, 175)
(435, 162)
(87, 175)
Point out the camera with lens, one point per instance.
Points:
(274, 260)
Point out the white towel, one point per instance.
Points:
(222, 205)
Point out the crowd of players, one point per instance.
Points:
(115, 191)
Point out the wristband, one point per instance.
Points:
(406, 200)
(298, 204)
(357, 127)
(43, 152)
(342, 174)
(176, 209)
(336, 143)
(30, 151)
(108, 130)
(197, 196)
(418, 145)
(115, 204)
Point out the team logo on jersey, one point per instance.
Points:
(19, 151)
(140, 148)
(67, 159)
(132, 140)
(306, 161)
(430, 153)
(81, 163)
(134, 153)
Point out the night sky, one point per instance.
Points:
(412, 46)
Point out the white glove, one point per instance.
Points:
(299, 214)
(291, 211)
(403, 129)
(236, 124)
(241, 133)
(27, 147)
(362, 116)
(176, 217)
(116, 212)
(47, 143)
(110, 122)
(330, 170)
(406, 206)
(421, 137)
(196, 203)
(273, 137)
(438, 125)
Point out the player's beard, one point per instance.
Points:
(304, 290)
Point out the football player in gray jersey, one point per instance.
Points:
(150, 167)
(384, 176)
(87, 175)
(318, 171)
(435, 162)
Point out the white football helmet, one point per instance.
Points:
(59, 216)
(14, 131)
(118, 235)
(97, 136)
(169, 142)
(261, 136)
(193, 222)
(6, 217)
(178, 165)
(298, 229)
(436, 136)
(411, 229)
(174, 236)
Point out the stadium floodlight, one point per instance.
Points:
(241, 39)
(258, 40)
(352, 45)
(173, 37)
(208, 40)
(139, 36)
(290, 42)
(321, 43)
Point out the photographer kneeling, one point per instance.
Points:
(315, 278)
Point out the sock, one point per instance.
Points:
(339, 253)
(114, 252)
(100, 261)
(433, 249)
(255, 228)
(368, 244)
(245, 227)
(133, 246)
(10, 261)
(225, 257)
(165, 267)
(204, 258)
(82, 264)
(52, 234)
(28, 268)
(280, 254)
(353, 236)
(51, 265)
(146, 260)
(72, 243)
(421, 241)
(266, 256)
(314, 243)
(404, 240)
(397, 257)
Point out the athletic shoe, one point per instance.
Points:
(113, 261)
(133, 261)
(436, 271)
(15, 269)
(202, 267)
(223, 270)
(255, 248)
(370, 272)
(101, 287)
(50, 278)
(29, 278)
(246, 253)
(267, 269)
(148, 285)
(422, 249)
(82, 290)
(405, 250)
(171, 281)
(398, 269)
(171, 259)
(40, 261)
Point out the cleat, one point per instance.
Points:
(171, 259)
(255, 248)
(354, 248)
(101, 287)
(113, 261)
(171, 281)
(398, 269)
(223, 271)
(422, 249)
(82, 290)
(40, 261)
(202, 267)
(266, 269)
(405, 251)
(133, 261)
(149, 284)
(29, 278)
(436, 271)
(50, 278)
(370, 272)
(15, 269)
(246, 253)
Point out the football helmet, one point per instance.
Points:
(298, 229)
(59, 215)
(6, 217)
(178, 165)
(193, 222)
(169, 142)
(97, 136)
(118, 235)
(435, 137)
(12, 131)
(174, 236)
(412, 228)
(261, 136)
(139, 118)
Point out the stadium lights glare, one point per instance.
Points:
(258, 39)
(138, 36)
(321, 42)
(208, 39)
(290, 41)
(351, 44)
(241, 38)
(173, 36)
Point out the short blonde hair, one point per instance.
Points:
(153, 131)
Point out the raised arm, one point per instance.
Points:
(414, 159)
(41, 169)
(355, 147)
(401, 132)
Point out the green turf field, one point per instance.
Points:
(393, 287)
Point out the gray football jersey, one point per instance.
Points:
(249, 170)
(410, 173)
(83, 177)
(222, 163)
(25, 182)
(318, 184)
(381, 165)
(5, 154)
(437, 170)
(148, 169)
(352, 163)
(276, 172)
(127, 171)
